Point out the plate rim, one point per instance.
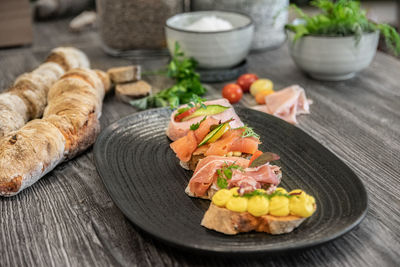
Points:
(232, 251)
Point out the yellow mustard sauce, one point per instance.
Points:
(301, 205)
(296, 203)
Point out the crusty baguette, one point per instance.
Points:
(70, 124)
(231, 222)
(27, 98)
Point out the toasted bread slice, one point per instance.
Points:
(128, 91)
(231, 223)
(125, 74)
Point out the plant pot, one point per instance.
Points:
(333, 58)
(269, 16)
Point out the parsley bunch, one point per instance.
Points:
(186, 88)
(342, 18)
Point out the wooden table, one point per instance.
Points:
(68, 219)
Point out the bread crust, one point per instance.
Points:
(69, 126)
(231, 223)
(30, 90)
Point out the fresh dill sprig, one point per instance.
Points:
(196, 126)
(249, 132)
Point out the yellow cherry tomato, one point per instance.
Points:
(221, 197)
(260, 96)
(218, 134)
(279, 206)
(238, 204)
(258, 205)
(261, 85)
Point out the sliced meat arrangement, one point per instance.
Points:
(286, 104)
(204, 141)
(243, 192)
(213, 172)
(219, 109)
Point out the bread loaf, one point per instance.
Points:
(70, 124)
(27, 98)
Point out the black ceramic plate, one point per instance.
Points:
(144, 179)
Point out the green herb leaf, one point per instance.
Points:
(196, 126)
(140, 103)
(269, 196)
(222, 183)
(249, 132)
(228, 173)
(225, 174)
(187, 84)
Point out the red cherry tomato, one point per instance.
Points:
(188, 112)
(245, 80)
(232, 92)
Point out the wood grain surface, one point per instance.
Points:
(68, 219)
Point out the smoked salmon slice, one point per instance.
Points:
(232, 140)
(177, 130)
(186, 145)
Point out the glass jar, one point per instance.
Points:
(130, 26)
(269, 16)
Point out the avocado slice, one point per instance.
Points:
(207, 111)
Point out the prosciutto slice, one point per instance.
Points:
(177, 130)
(247, 179)
(254, 178)
(205, 172)
(286, 104)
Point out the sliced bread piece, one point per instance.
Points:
(125, 74)
(231, 222)
(129, 91)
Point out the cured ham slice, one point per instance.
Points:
(253, 178)
(203, 182)
(177, 130)
(205, 172)
(286, 104)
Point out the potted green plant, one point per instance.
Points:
(338, 42)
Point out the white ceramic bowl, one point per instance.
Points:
(221, 49)
(333, 58)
